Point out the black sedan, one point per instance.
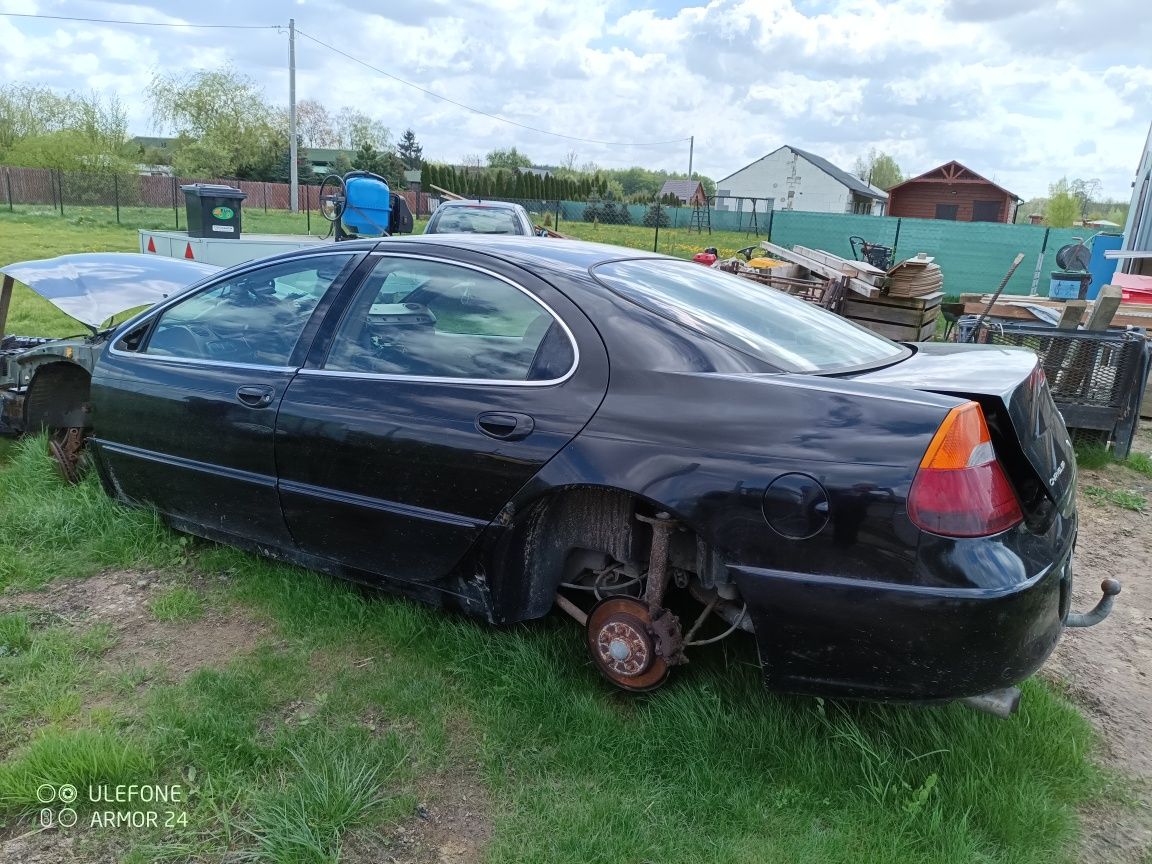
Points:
(669, 453)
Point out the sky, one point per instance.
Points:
(1021, 91)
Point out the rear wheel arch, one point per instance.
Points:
(59, 397)
(539, 545)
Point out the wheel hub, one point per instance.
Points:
(622, 644)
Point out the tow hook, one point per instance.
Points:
(1110, 587)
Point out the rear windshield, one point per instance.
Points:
(475, 220)
(755, 319)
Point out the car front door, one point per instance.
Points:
(185, 400)
(446, 385)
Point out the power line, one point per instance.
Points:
(424, 90)
(145, 23)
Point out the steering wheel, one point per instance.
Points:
(180, 340)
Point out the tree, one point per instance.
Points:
(354, 129)
(42, 128)
(508, 158)
(655, 216)
(1063, 208)
(223, 124)
(314, 125)
(410, 150)
(878, 169)
(1085, 192)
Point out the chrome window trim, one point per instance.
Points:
(435, 379)
(206, 285)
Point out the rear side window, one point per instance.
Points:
(432, 319)
(757, 320)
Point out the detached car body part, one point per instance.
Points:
(498, 425)
(44, 382)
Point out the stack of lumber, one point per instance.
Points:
(1016, 308)
(863, 278)
(915, 277)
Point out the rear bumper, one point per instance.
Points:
(834, 636)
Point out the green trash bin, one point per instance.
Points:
(213, 210)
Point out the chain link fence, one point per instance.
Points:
(972, 255)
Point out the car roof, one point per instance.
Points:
(573, 257)
(545, 253)
(503, 205)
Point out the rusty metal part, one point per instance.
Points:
(999, 703)
(622, 644)
(67, 449)
(1110, 588)
(669, 637)
(572, 609)
(662, 527)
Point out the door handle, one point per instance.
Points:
(255, 396)
(505, 425)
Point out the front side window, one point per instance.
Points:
(253, 318)
(749, 317)
(432, 319)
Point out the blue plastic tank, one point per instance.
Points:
(1100, 267)
(369, 203)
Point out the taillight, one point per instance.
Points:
(961, 489)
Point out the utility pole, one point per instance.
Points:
(293, 171)
(691, 147)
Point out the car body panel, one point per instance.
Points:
(91, 287)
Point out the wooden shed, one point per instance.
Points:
(952, 192)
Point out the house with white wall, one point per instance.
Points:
(792, 179)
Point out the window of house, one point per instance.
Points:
(986, 211)
(947, 211)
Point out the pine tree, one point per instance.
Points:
(410, 150)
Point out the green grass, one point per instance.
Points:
(177, 604)
(1124, 498)
(327, 724)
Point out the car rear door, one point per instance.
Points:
(185, 401)
(447, 383)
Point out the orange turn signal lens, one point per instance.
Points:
(962, 441)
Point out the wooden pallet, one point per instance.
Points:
(904, 319)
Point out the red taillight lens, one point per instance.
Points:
(961, 489)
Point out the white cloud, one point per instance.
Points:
(1022, 91)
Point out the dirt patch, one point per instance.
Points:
(121, 599)
(452, 825)
(52, 847)
(1106, 668)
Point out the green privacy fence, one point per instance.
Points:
(974, 256)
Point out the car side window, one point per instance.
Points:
(438, 320)
(256, 317)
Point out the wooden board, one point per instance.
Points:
(857, 285)
(899, 333)
(5, 301)
(906, 319)
(1018, 312)
(861, 270)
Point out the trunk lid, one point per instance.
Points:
(1027, 429)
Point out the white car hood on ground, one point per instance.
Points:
(93, 286)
